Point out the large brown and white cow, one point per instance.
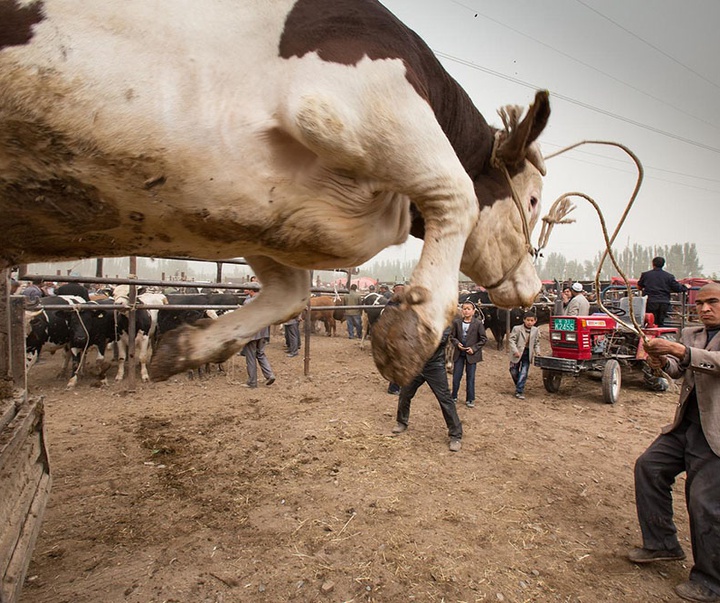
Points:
(299, 134)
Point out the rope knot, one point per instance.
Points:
(510, 116)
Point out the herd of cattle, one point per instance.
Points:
(61, 323)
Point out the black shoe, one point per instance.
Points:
(270, 381)
(639, 555)
(694, 591)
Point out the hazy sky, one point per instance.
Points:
(643, 73)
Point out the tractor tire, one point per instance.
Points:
(551, 380)
(611, 381)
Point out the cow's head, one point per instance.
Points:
(496, 253)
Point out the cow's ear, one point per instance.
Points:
(514, 144)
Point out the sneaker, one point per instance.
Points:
(520, 396)
(640, 555)
(694, 591)
(292, 355)
(455, 445)
(470, 404)
(270, 381)
(248, 385)
(399, 427)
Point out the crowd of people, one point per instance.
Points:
(691, 443)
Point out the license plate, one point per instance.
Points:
(564, 324)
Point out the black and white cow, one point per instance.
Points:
(300, 134)
(495, 320)
(375, 304)
(74, 330)
(49, 329)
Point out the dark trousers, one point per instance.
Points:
(685, 449)
(292, 337)
(659, 310)
(459, 366)
(435, 376)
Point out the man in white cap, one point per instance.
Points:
(578, 305)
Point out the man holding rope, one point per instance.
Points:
(691, 444)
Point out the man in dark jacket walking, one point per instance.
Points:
(657, 285)
(436, 377)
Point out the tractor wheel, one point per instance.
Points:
(611, 380)
(551, 381)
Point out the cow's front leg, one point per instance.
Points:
(284, 294)
(122, 353)
(143, 344)
(407, 334)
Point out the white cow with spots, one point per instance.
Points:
(300, 134)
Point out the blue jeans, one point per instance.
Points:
(519, 371)
(354, 323)
(459, 366)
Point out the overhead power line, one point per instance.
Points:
(582, 104)
(644, 41)
(574, 59)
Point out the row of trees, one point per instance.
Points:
(681, 259)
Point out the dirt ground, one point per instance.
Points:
(203, 491)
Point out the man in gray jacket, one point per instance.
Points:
(578, 304)
(691, 443)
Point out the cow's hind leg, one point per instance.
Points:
(284, 294)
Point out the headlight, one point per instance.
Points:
(555, 336)
(570, 336)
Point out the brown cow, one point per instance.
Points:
(324, 316)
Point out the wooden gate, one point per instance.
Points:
(24, 467)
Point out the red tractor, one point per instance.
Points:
(600, 345)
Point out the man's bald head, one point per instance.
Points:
(707, 302)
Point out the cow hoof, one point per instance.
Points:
(171, 356)
(176, 353)
(401, 344)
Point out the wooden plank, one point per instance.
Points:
(17, 343)
(17, 515)
(8, 410)
(24, 491)
(22, 469)
(23, 425)
(12, 471)
(13, 579)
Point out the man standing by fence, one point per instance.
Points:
(353, 317)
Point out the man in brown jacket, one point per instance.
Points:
(691, 444)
